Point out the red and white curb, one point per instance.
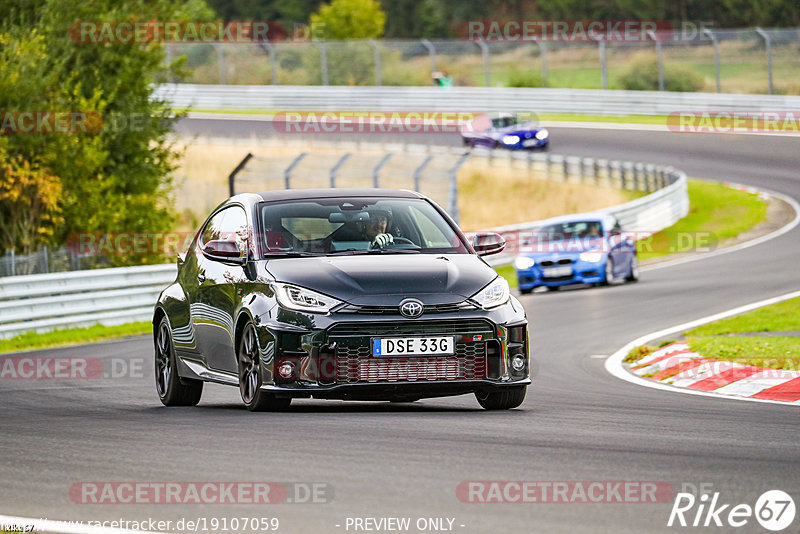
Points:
(676, 368)
(677, 365)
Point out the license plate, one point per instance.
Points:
(412, 346)
(530, 142)
(556, 272)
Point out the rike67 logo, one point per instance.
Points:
(774, 510)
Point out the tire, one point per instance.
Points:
(171, 388)
(633, 276)
(525, 291)
(250, 376)
(609, 273)
(553, 288)
(504, 399)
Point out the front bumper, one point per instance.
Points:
(582, 273)
(335, 360)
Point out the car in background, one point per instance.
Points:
(576, 249)
(282, 295)
(505, 130)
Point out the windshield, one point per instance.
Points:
(356, 225)
(504, 122)
(570, 230)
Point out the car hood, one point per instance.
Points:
(387, 279)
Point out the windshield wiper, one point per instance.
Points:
(290, 254)
(375, 251)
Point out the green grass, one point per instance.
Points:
(72, 336)
(781, 317)
(716, 213)
(507, 272)
(771, 352)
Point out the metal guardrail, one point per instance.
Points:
(119, 295)
(42, 302)
(462, 99)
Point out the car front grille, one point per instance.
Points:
(356, 364)
(551, 263)
(394, 310)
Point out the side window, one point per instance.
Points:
(229, 224)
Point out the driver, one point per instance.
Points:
(375, 228)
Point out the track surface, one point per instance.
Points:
(578, 422)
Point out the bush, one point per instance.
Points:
(525, 78)
(641, 74)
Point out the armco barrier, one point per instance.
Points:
(42, 302)
(114, 296)
(462, 99)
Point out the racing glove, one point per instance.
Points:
(381, 240)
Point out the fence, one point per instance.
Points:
(46, 260)
(752, 60)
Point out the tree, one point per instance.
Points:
(114, 179)
(349, 19)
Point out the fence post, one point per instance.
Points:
(323, 61)
(377, 170)
(714, 43)
(44, 260)
(232, 175)
(221, 63)
(168, 58)
(431, 52)
(338, 166)
(768, 44)
(660, 53)
(287, 174)
(377, 53)
(273, 66)
(543, 55)
(486, 71)
(11, 267)
(603, 66)
(418, 171)
(623, 176)
(453, 200)
(635, 168)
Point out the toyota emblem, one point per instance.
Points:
(411, 308)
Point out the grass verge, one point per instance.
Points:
(72, 336)
(716, 213)
(781, 317)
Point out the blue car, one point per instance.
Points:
(505, 130)
(576, 249)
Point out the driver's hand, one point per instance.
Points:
(381, 240)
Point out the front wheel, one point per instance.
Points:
(609, 273)
(250, 376)
(633, 276)
(503, 399)
(172, 390)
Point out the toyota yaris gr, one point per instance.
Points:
(355, 294)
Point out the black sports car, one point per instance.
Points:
(362, 294)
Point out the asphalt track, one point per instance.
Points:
(578, 423)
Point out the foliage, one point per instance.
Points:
(349, 19)
(641, 74)
(525, 78)
(114, 179)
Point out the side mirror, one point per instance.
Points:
(486, 243)
(223, 250)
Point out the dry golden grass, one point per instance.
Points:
(490, 194)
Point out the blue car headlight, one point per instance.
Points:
(510, 139)
(523, 263)
(591, 256)
(542, 134)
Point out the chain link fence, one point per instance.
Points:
(46, 260)
(752, 60)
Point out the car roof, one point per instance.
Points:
(605, 218)
(298, 194)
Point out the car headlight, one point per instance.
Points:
(523, 263)
(542, 134)
(302, 299)
(510, 139)
(493, 295)
(591, 256)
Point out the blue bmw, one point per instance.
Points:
(505, 130)
(576, 249)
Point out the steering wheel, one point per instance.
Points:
(398, 240)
